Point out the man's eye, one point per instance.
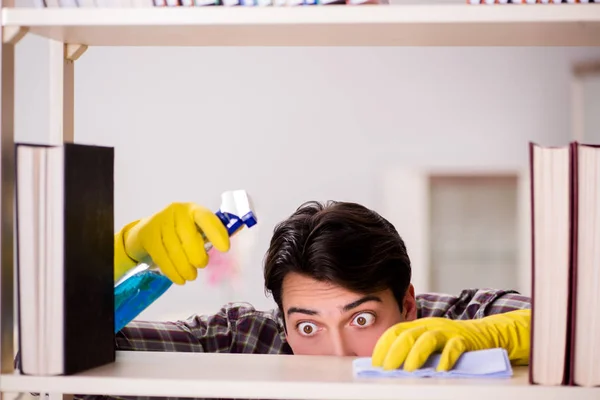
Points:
(363, 320)
(307, 328)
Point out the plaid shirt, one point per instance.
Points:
(240, 328)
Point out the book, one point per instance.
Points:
(585, 299)
(488, 363)
(65, 257)
(565, 218)
(551, 257)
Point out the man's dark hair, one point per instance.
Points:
(342, 243)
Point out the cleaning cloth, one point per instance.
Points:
(489, 363)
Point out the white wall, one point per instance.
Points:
(296, 124)
(591, 109)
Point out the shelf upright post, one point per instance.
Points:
(7, 185)
(62, 90)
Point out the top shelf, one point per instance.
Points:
(395, 25)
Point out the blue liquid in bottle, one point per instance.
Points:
(143, 285)
(136, 293)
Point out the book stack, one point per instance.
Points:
(65, 257)
(565, 217)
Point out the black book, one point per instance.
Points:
(65, 257)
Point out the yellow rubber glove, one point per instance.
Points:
(172, 240)
(413, 342)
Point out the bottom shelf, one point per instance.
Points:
(273, 377)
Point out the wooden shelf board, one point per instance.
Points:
(274, 377)
(415, 25)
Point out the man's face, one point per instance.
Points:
(323, 319)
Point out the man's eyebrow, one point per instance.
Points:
(299, 310)
(360, 301)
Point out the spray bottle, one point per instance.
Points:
(141, 286)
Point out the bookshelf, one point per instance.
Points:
(71, 31)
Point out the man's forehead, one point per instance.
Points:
(303, 287)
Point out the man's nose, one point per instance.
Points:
(341, 345)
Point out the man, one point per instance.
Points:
(341, 278)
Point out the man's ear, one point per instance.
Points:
(409, 304)
(285, 330)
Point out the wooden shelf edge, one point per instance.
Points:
(442, 13)
(275, 377)
(427, 389)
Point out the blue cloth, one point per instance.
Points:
(490, 363)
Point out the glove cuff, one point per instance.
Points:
(511, 330)
(123, 262)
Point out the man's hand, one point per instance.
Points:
(413, 342)
(172, 239)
